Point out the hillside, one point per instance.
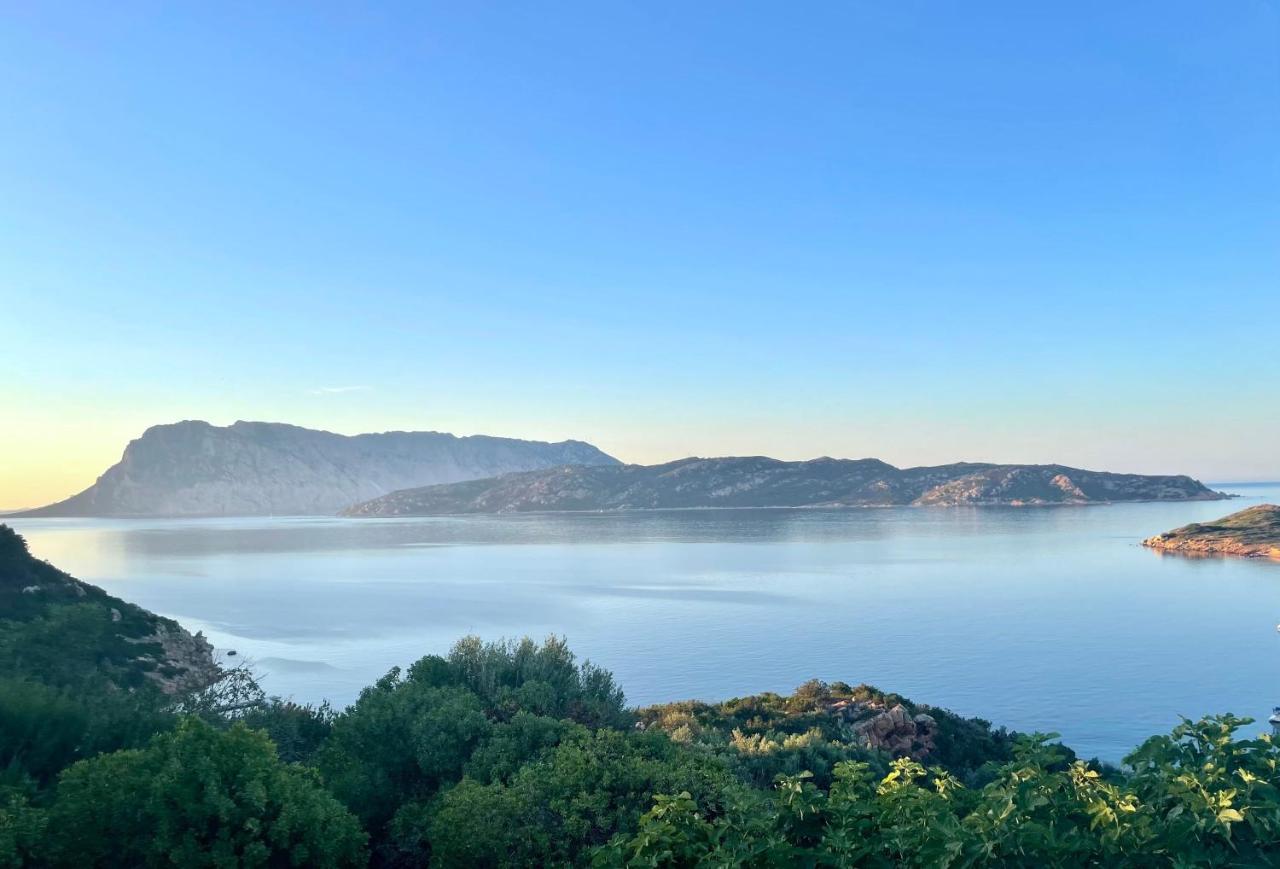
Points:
(1253, 532)
(60, 630)
(193, 468)
(765, 482)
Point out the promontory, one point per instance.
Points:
(1253, 532)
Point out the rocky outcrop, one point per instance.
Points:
(256, 468)
(894, 729)
(125, 644)
(185, 660)
(1250, 533)
(765, 482)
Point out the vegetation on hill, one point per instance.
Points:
(1252, 532)
(69, 633)
(517, 754)
(757, 481)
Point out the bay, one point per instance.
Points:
(1050, 619)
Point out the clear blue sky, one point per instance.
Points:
(921, 231)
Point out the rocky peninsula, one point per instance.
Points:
(1253, 533)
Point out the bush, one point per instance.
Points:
(1199, 797)
(575, 797)
(199, 797)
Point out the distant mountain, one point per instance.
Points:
(258, 468)
(1253, 532)
(56, 629)
(765, 482)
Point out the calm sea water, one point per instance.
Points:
(1049, 619)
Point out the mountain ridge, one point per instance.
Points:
(194, 468)
(759, 481)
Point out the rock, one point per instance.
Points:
(899, 733)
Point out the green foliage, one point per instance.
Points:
(813, 730)
(543, 679)
(22, 829)
(75, 645)
(574, 797)
(1199, 797)
(199, 797)
(43, 730)
(401, 741)
(298, 730)
(513, 743)
(489, 706)
(65, 633)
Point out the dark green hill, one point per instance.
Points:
(60, 631)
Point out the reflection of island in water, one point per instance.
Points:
(1251, 533)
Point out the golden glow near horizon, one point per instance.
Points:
(56, 453)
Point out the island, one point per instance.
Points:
(192, 468)
(1253, 533)
(758, 481)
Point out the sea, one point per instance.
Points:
(1050, 619)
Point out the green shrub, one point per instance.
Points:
(198, 797)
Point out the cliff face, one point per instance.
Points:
(254, 468)
(764, 482)
(1253, 532)
(66, 631)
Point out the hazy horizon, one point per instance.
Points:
(9, 507)
(912, 231)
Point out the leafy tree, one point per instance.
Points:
(22, 828)
(199, 797)
(1208, 796)
(573, 798)
(399, 743)
(543, 679)
(44, 729)
(511, 744)
(298, 730)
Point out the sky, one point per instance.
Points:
(920, 231)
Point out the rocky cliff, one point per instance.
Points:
(56, 628)
(764, 482)
(256, 468)
(1253, 532)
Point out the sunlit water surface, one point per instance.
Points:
(1050, 619)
